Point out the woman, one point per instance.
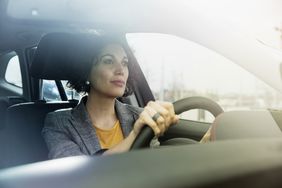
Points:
(100, 124)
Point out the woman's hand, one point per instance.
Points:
(157, 115)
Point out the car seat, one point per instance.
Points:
(59, 56)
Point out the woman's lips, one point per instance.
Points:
(118, 83)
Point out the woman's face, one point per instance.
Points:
(109, 75)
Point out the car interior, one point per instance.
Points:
(21, 138)
(245, 145)
(56, 58)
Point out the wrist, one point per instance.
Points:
(133, 134)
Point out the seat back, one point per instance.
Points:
(59, 56)
(21, 140)
(5, 102)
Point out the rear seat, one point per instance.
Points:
(22, 139)
(57, 58)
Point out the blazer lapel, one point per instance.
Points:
(125, 116)
(81, 122)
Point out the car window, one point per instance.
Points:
(176, 68)
(71, 93)
(13, 72)
(50, 91)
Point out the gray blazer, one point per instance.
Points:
(69, 132)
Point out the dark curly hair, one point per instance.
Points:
(98, 43)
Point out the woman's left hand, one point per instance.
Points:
(158, 115)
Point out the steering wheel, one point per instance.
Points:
(146, 134)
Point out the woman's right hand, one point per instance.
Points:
(157, 115)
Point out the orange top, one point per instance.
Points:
(109, 137)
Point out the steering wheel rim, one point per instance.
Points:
(182, 105)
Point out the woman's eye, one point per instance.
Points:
(108, 61)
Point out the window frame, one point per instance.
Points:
(6, 87)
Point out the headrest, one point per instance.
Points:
(63, 56)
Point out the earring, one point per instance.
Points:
(87, 82)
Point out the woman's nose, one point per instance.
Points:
(119, 69)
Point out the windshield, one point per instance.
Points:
(176, 68)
